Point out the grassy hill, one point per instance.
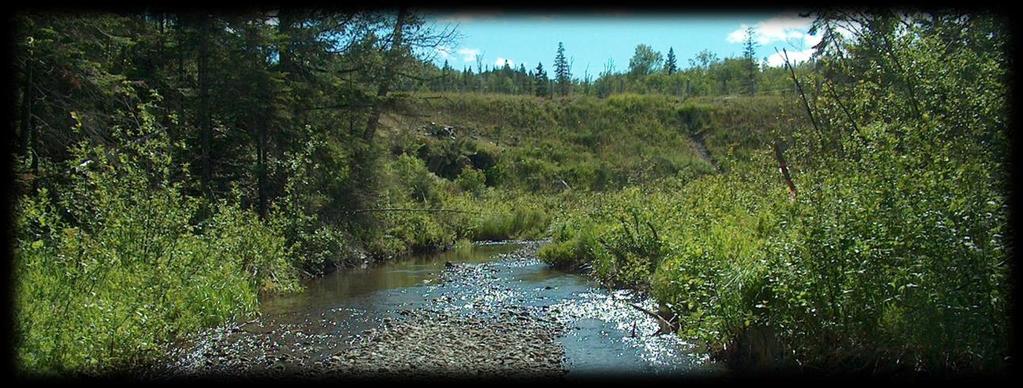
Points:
(589, 144)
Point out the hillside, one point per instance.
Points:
(590, 144)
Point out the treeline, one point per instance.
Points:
(648, 72)
(239, 96)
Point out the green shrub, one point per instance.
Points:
(571, 248)
(112, 269)
(471, 180)
(897, 257)
(412, 174)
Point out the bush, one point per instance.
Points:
(872, 263)
(112, 269)
(897, 258)
(471, 180)
(572, 246)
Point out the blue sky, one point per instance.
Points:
(592, 39)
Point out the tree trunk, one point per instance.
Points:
(284, 27)
(28, 95)
(261, 169)
(28, 130)
(205, 124)
(180, 33)
(385, 83)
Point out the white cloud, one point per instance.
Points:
(468, 54)
(739, 35)
(501, 61)
(812, 40)
(778, 59)
(789, 29)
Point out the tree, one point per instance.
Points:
(562, 73)
(446, 77)
(524, 80)
(644, 61)
(703, 60)
(205, 124)
(671, 66)
(750, 55)
(390, 66)
(540, 81)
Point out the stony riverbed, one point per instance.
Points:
(506, 316)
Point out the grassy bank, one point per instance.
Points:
(852, 272)
(892, 258)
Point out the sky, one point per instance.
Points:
(591, 40)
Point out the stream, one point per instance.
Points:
(491, 310)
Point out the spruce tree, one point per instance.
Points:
(540, 80)
(562, 73)
(671, 65)
(750, 55)
(523, 78)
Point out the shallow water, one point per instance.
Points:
(605, 334)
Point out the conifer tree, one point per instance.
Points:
(562, 73)
(750, 55)
(671, 65)
(540, 80)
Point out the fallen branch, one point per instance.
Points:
(666, 326)
(784, 168)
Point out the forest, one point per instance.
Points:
(174, 171)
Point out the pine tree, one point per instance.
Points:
(671, 65)
(750, 55)
(540, 80)
(524, 79)
(446, 74)
(562, 73)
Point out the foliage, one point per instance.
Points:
(172, 167)
(894, 255)
(471, 180)
(644, 61)
(112, 268)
